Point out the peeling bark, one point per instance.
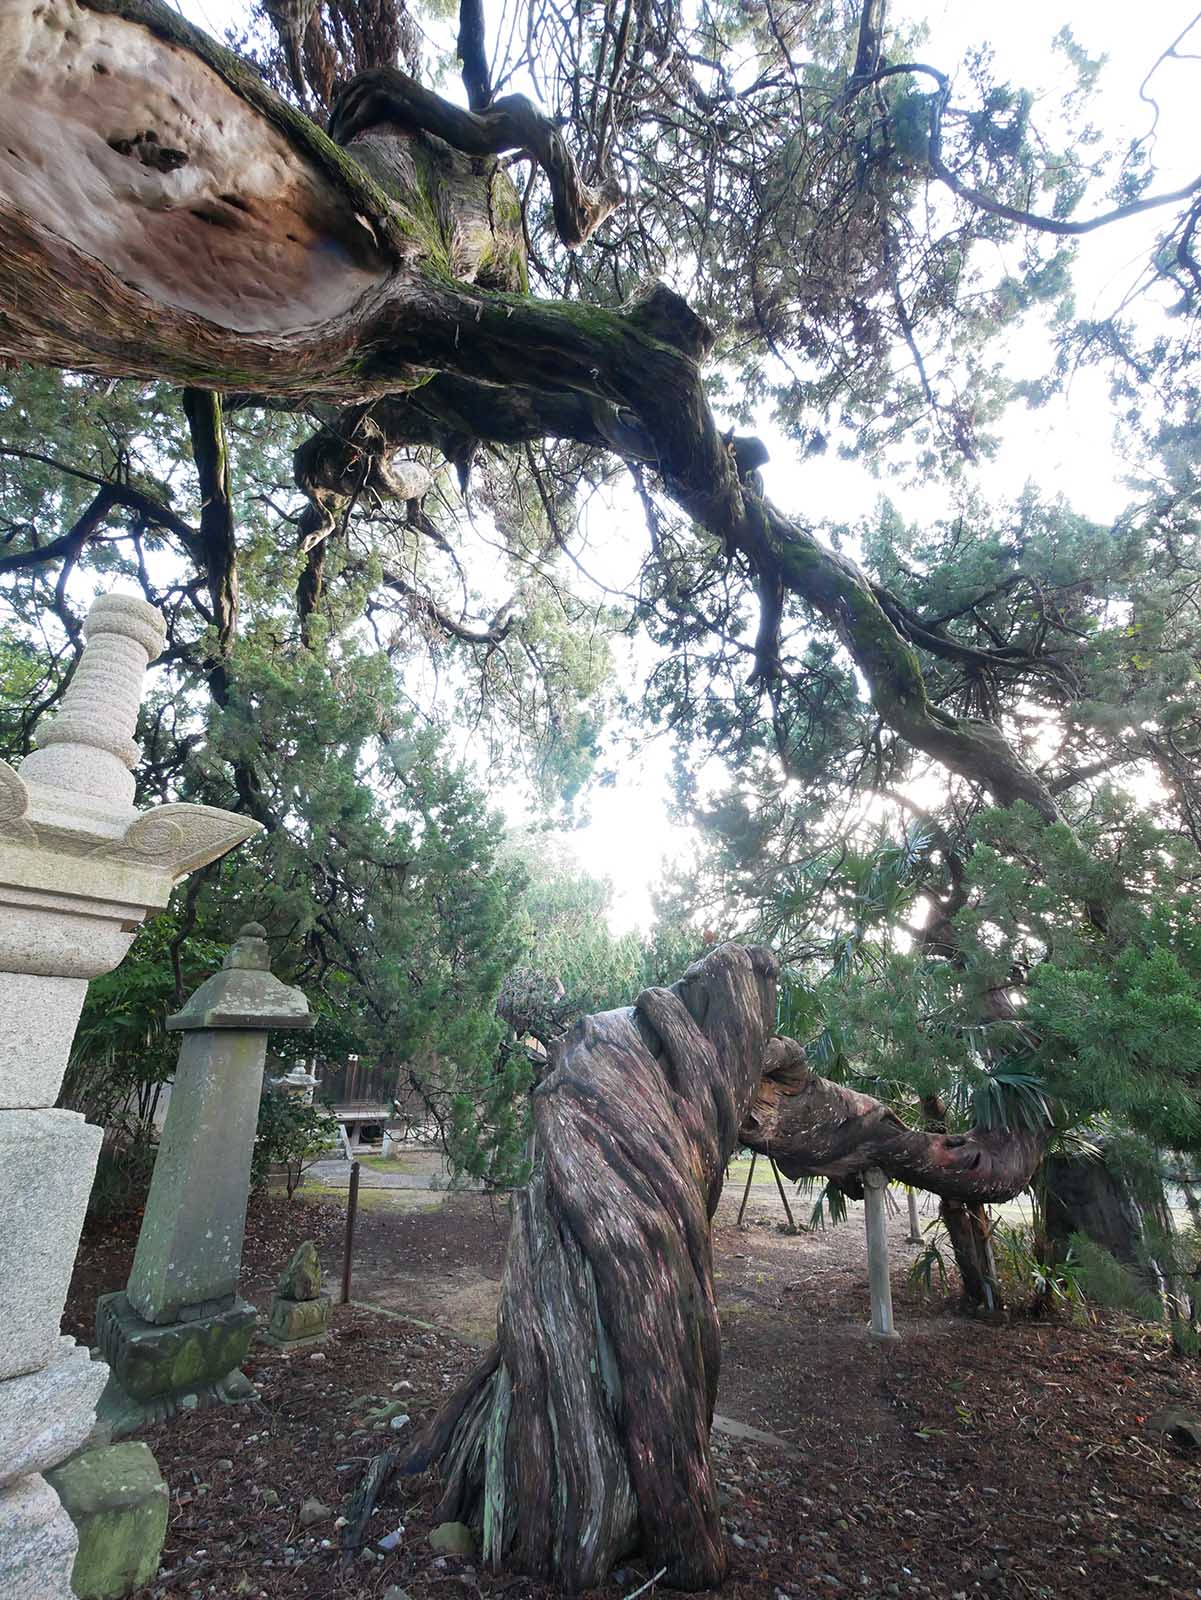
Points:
(326, 287)
(586, 1432)
(814, 1128)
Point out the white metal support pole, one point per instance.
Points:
(915, 1227)
(874, 1185)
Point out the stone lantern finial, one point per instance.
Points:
(88, 747)
(250, 951)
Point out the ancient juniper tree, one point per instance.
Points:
(166, 215)
(584, 1433)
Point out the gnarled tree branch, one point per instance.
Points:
(814, 1128)
(83, 301)
(386, 95)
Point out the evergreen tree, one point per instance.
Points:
(964, 959)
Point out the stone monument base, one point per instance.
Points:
(38, 1542)
(297, 1322)
(118, 1502)
(159, 1369)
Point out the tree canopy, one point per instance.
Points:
(354, 369)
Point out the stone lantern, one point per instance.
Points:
(298, 1084)
(179, 1331)
(80, 869)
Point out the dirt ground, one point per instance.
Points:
(966, 1461)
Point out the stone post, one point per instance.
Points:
(79, 871)
(876, 1223)
(177, 1334)
(915, 1227)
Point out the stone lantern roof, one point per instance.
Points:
(244, 994)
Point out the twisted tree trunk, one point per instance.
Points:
(585, 1432)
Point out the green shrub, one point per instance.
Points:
(122, 1179)
(290, 1135)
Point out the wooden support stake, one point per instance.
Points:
(352, 1206)
(780, 1186)
(746, 1193)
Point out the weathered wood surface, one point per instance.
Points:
(815, 1128)
(584, 1433)
(587, 1431)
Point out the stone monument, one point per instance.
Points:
(80, 869)
(299, 1311)
(178, 1333)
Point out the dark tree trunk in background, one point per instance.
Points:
(585, 1433)
(969, 1230)
(1093, 1196)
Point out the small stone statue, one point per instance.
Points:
(299, 1311)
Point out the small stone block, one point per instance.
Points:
(45, 1416)
(151, 1360)
(37, 1543)
(118, 1502)
(302, 1279)
(298, 1319)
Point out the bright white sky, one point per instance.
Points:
(1066, 447)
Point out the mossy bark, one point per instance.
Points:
(634, 371)
(585, 1433)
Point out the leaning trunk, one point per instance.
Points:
(970, 1233)
(585, 1433)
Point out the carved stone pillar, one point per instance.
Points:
(79, 871)
(177, 1334)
